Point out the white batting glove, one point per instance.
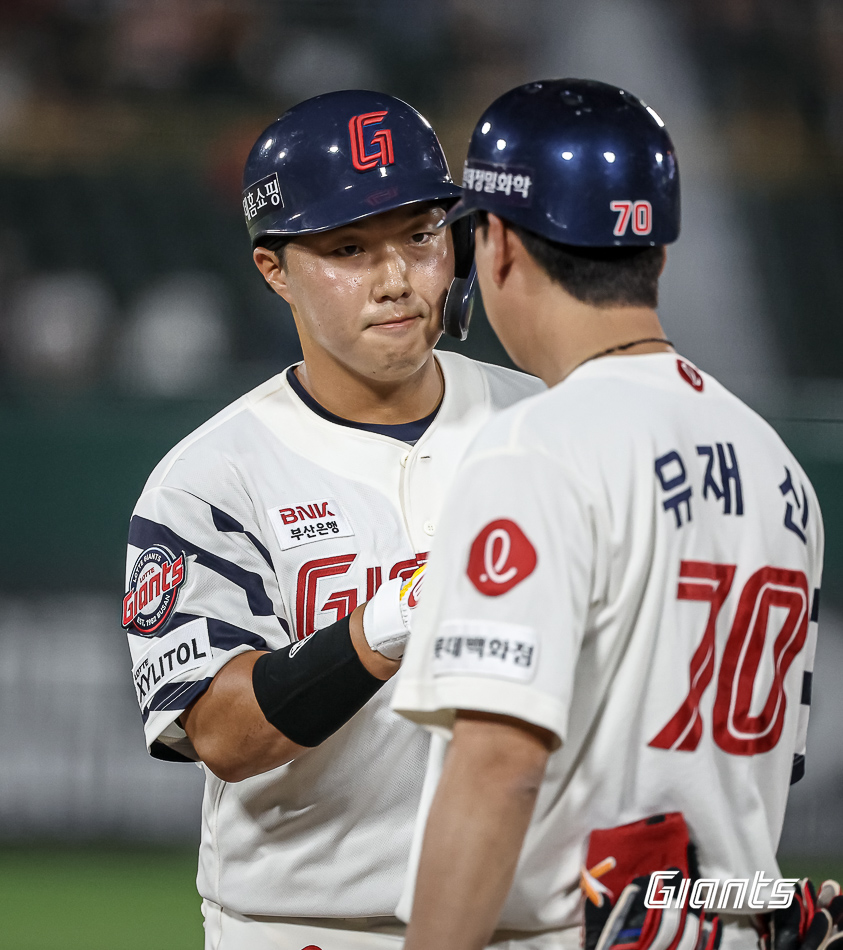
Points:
(387, 616)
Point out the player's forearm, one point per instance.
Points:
(230, 726)
(230, 732)
(474, 833)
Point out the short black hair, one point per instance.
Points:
(599, 276)
(277, 243)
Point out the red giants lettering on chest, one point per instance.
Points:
(316, 592)
(311, 512)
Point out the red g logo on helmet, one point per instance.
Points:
(501, 557)
(381, 140)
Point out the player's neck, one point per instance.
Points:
(568, 333)
(347, 394)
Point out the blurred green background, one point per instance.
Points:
(130, 311)
(99, 899)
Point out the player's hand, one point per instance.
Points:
(813, 921)
(630, 924)
(387, 617)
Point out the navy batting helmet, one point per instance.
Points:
(344, 156)
(577, 162)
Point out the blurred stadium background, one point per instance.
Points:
(130, 311)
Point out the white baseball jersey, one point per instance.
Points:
(632, 561)
(267, 523)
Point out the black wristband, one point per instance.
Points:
(310, 688)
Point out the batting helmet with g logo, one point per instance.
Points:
(575, 161)
(345, 156)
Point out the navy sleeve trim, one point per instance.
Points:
(143, 533)
(797, 772)
(176, 696)
(158, 750)
(807, 683)
(222, 635)
(815, 606)
(228, 525)
(177, 620)
(225, 636)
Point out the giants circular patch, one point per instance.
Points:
(153, 585)
(690, 374)
(501, 557)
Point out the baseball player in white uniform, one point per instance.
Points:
(267, 601)
(620, 613)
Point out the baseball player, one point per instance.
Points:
(619, 618)
(267, 599)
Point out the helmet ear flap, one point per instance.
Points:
(462, 234)
(459, 304)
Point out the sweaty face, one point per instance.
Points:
(370, 294)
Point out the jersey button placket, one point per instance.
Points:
(405, 495)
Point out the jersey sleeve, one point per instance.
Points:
(200, 590)
(504, 606)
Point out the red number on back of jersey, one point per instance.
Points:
(684, 730)
(735, 729)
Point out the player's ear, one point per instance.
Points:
(499, 245)
(268, 263)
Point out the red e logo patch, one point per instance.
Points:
(690, 374)
(381, 140)
(501, 557)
